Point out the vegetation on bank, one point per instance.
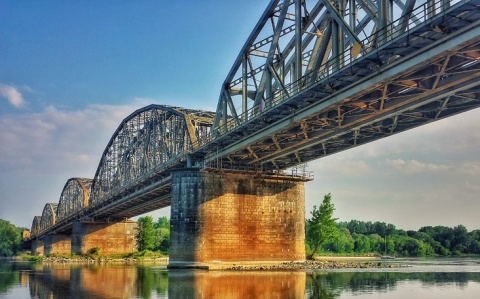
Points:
(379, 238)
(10, 238)
(144, 255)
(324, 236)
(153, 236)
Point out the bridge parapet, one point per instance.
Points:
(144, 143)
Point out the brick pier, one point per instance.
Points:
(110, 238)
(224, 217)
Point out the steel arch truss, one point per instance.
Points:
(35, 226)
(431, 89)
(144, 143)
(297, 41)
(49, 216)
(74, 197)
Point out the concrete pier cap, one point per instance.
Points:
(226, 217)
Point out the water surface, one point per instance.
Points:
(423, 278)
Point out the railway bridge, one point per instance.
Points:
(313, 78)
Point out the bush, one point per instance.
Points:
(94, 251)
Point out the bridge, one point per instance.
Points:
(314, 78)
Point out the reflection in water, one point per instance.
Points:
(332, 284)
(217, 284)
(96, 281)
(23, 280)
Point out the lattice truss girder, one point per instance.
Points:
(144, 143)
(35, 226)
(445, 86)
(297, 39)
(74, 197)
(49, 216)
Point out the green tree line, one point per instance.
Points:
(10, 238)
(365, 237)
(324, 235)
(153, 236)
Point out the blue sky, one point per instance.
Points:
(70, 71)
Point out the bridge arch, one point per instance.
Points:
(144, 142)
(35, 226)
(49, 216)
(74, 197)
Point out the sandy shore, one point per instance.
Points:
(347, 258)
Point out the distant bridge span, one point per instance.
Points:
(314, 78)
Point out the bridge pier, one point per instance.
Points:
(221, 218)
(37, 247)
(109, 238)
(57, 244)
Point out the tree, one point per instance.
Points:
(162, 234)
(146, 233)
(321, 228)
(9, 238)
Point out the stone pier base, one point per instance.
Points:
(235, 217)
(109, 238)
(37, 247)
(57, 244)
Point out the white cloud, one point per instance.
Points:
(13, 96)
(40, 151)
(459, 133)
(470, 168)
(414, 166)
(340, 165)
(472, 187)
(58, 141)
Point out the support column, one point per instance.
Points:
(37, 247)
(57, 244)
(110, 238)
(220, 217)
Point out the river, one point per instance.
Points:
(421, 278)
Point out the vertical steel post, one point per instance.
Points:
(224, 112)
(341, 39)
(353, 11)
(268, 89)
(244, 88)
(382, 21)
(335, 46)
(298, 40)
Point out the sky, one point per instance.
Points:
(71, 71)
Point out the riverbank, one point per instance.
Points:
(317, 265)
(321, 263)
(91, 259)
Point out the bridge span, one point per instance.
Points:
(314, 78)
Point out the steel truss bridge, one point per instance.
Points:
(314, 78)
